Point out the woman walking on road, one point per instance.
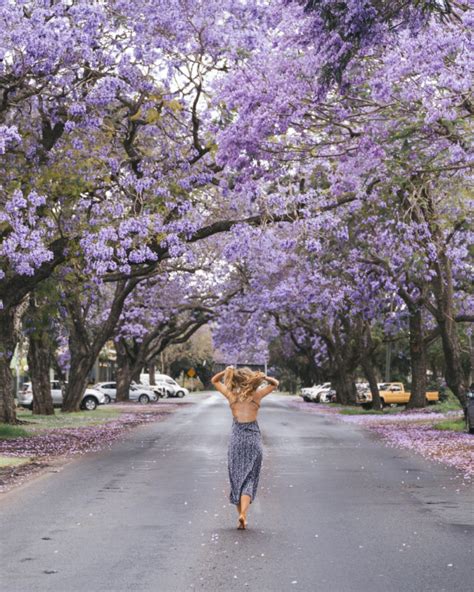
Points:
(245, 452)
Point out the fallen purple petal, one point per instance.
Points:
(47, 444)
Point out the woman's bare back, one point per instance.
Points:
(245, 411)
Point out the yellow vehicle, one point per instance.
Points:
(395, 393)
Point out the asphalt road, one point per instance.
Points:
(336, 511)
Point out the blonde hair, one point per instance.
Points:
(242, 382)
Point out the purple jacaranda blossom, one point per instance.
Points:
(9, 136)
(341, 130)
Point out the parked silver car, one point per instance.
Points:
(137, 392)
(108, 389)
(90, 399)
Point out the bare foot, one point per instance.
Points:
(242, 522)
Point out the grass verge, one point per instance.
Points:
(450, 404)
(8, 431)
(38, 423)
(76, 419)
(453, 425)
(12, 461)
(360, 411)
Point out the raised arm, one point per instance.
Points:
(266, 390)
(216, 381)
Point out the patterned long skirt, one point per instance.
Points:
(244, 456)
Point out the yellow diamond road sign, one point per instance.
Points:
(191, 373)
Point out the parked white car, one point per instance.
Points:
(138, 392)
(326, 394)
(307, 392)
(158, 389)
(312, 393)
(171, 387)
(90, 399)
(364, 395)
(141, 393)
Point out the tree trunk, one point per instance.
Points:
(85, 350)
(443, 290)
(368, 364)
(60, 374)
(127, 372)
(124, 380)
(452, 355)
(345, 350)
(151, 373)
(7, 347)
(38, 364)
(444, 296)
(344, 386)
(82, 362)
(163, 363)
(471, 358)
(130, 364)
(124, 372)
(136, 372)
(417, 359)
(77, 384)
(368, 368)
